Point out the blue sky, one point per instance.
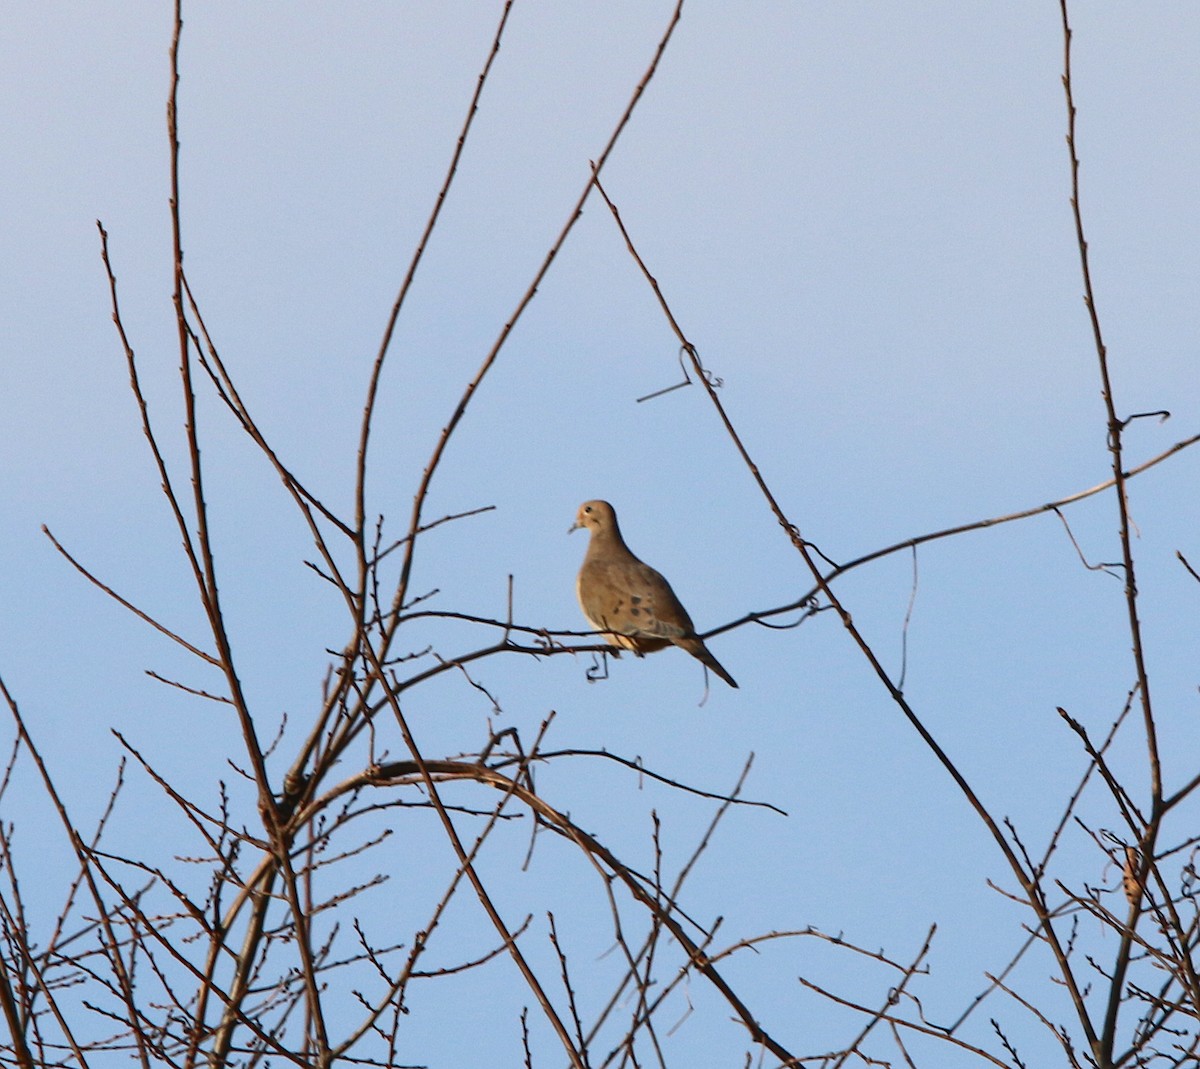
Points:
(860, 217)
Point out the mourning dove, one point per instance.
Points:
(629, 601)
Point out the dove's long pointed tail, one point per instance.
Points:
(700, 651)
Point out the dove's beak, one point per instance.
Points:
(574, 527)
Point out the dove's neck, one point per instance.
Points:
(604, 538)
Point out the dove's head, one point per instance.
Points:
(596, 516)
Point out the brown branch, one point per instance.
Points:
(1190, 570)
(229, 394)
(110, 943)
(422, 938)
(950, 532)
(907, 973)
(804, 549)
(524, 302)
(125, 603)
(1102, 1045)
(360, 479)
(451, 770)
(199, 550)
(901, 1022)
